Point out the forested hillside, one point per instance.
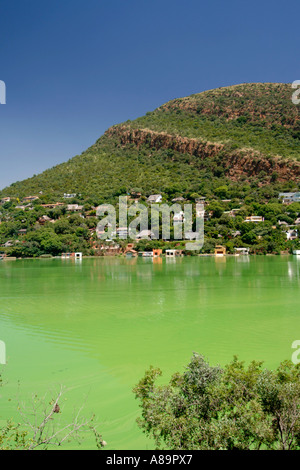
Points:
(248, 134)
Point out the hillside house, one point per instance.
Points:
(291, 234)
(254, 218)
(289, 198)
(53, 206)
(242, 251)
(30, 198)
(236, 233)
(178, 199)
(178, 218)
(110, 250)
(122, 232)
(200, 200)
(135, 195)
(145, 235)
(74, 208)
(154, 198)
(232, 212)
(42, 220)
(283, 222)
(5, 199)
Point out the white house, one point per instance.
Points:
(288, 198)
(178, 218)
(254, 218)
(154, 198)
(145, 235)
(291, 234)
(74, 207)
(242, 251)
(5, 199)
(122, 232)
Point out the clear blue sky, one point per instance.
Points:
(73, 68)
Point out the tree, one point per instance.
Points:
(209, 408)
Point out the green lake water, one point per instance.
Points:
(95, 326)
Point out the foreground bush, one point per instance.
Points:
(236, 407)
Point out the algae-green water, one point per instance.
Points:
(95, 326)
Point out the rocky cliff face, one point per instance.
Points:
(237, 164)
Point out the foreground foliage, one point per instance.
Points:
(41, 426)
(235, 408)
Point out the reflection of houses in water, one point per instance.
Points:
(220, 259)
(131, 260)
(144, 271)
(243, 259)
(293, 269)
(171, 259)
(220, 262)
(290, 270)
(146, 254)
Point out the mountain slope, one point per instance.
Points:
(248, 132)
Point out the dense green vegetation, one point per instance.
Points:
(240, 132)
(36, 230)
(258, 116)
(235, 408)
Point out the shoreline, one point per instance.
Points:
(200, 255)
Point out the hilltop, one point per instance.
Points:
(248, 133)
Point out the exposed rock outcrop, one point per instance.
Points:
(237, 164)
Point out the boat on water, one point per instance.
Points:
(296, 252)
